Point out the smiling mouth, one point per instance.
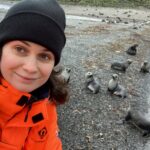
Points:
(26, 78)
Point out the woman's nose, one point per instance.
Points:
(31, 65)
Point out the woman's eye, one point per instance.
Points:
(44, 57)
(20, 50)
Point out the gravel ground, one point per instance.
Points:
(94, 121)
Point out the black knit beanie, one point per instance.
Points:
(39, 21)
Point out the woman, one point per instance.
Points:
(31, 39)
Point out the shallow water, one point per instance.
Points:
(4, 6)
(83, 18)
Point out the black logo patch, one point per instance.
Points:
(38, 117)
(42, 132)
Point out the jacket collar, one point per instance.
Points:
(36, 115)
(15, 103)
(42, 92)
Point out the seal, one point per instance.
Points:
(113, 83)
(115, 88)
(92, 83)
(62, 73)
(132, 50)
(121, 66)
(139, 120)
(145, 67)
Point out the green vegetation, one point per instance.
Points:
(109, 3)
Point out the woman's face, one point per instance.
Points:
(26, 65)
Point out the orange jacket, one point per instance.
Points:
(39, 132)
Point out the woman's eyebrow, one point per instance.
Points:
(26, 43)
(46, 50)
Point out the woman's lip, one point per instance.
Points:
(26, 78)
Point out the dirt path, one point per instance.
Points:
(92, 122)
